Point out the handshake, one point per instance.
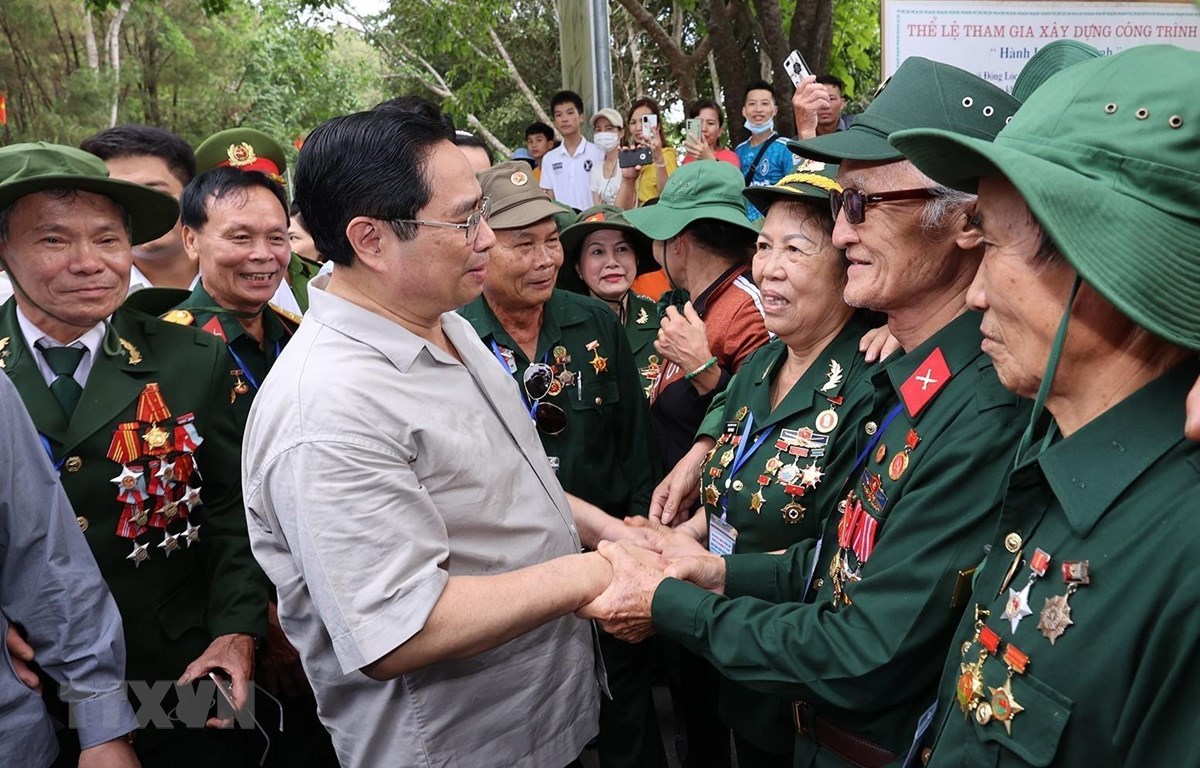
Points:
(641, 553)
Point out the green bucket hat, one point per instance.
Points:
(811, 182)
(705, 189)
(921, 94)
(516, 199)
(29, 168)
(1049, 60)
(244, 148)
(1107, 157)
(593, 219)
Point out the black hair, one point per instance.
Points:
(760, 85)
(218, 182)
(653, 106)
(563, 97)
(537, 127)
(832, 80)
(135, 140)
(465, 139)
(694, 108)
(730, 241)
(367, 164)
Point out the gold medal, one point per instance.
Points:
(1055, 617)
(756, 501)
(1003, 706)
(827, 421)
(555, 387)
(711, 494)
(793, 513)
(727, 458)
(560, 354)
(773, 465)
(898, 465)
(969, 689)
(741, 413)
(881, 454)
(156, 437)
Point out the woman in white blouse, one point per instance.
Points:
(608, 133)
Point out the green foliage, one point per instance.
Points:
(856, 48)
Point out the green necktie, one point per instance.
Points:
(63, 361)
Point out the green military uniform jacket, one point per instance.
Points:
(175, 601)
(299, 272)
(1116, 687)
(641, 328)
(860, 655)
(605, 455)
(803, 454)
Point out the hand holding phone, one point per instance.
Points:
(649, 126)
(630, 158)
(694, 129)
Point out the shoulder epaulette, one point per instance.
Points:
(179, 317)
(287, 314)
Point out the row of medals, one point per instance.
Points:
(1000, 705)
(795, 479)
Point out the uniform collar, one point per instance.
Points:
(1089, 470)
(558, 313)
(201, 303)
(958, 344)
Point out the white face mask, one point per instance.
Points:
(606, 140)
(758, 130)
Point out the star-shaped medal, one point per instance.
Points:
(599, 363)
(129, 478)
(192, 534)
(170, 543)
(1055, 617)
(139, 554)
(191, 497)
(166, 472)
(1017, 607)
(811, 475)
(756, 501)
(711, 494)
(1004, 706)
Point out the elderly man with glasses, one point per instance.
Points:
(851, 625)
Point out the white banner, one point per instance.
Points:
(994, 39)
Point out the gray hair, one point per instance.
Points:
(940, 212)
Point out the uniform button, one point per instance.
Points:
(1012, 542)
(599, 401)
(83, 522)
(818, 584)
(737, 485)
(871, 427)
(74, 464)
(925, 754)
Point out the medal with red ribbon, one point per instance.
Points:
(1056, 613)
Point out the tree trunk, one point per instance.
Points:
(729, 64)
(811, 32)
(89, 40)
(515, 74)
(682, 65)
(112, 43)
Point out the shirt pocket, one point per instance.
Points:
(595, 395)
(1037, 729)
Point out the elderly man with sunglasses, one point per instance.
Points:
(851, 625)
(579, 382)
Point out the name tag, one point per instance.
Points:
(557, 166)
(722, 537)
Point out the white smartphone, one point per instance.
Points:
(649, 125)
(796, 67)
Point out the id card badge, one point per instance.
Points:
(721, 536)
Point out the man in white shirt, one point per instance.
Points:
(566, 169)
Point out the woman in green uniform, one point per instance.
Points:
(773, 437)
(603, 254)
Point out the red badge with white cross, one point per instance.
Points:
(925, 382)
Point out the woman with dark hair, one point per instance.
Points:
(712, 125)
(643, 183)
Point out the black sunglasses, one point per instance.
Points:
(855, 201)
(538, 380)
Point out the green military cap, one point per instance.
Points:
(1049, 60)
(921, 94)
(243, 148)
(705, 189)
(29, 168)
(591, 220)
(812, 181)
(1106, 155)
(516, 200)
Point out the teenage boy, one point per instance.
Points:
(566, 168)
(765, 160)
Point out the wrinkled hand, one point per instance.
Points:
(1192, 428)
(637, 530)
(682, 339)
(623, 609)
(117, 753)
(282, 673)
(678, 492)
(698, 150)
(233, 655)
(877, 344)
(810, 97)
(21, 654)
(707, 572)
(682, 544)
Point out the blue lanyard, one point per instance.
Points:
(50, 452)
(532, 406)
(877, 437)
(246, 371)
(743, 455)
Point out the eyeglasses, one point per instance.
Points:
(856, 201)
(539, 382)
(471, 224)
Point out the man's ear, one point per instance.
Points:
(188, 236)
(970, 236)
(366, 237)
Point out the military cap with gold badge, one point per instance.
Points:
(246, 149)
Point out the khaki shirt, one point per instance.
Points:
(376, 467)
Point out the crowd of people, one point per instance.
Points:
(871, 442)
